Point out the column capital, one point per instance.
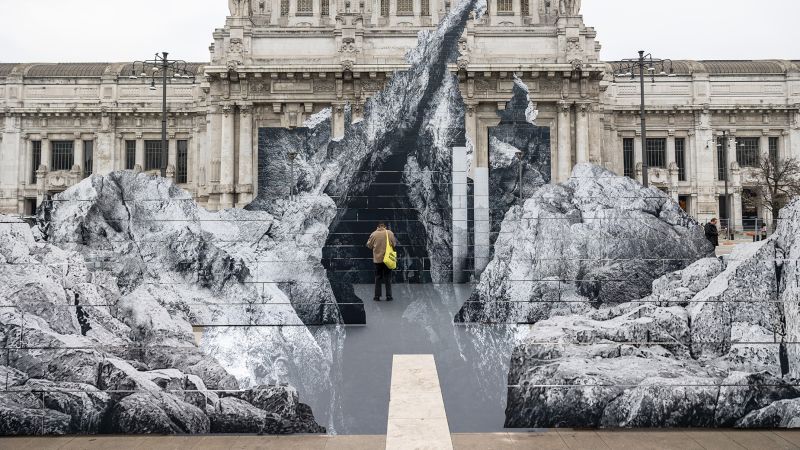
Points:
(564, 106)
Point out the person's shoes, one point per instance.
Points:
(389, 299)
(377, 299)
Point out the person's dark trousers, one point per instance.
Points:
(383, 275)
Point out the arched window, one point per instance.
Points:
(425, 5)
(385, 8)
(305, 7)
(405, 6)
(284, 8)
(526, 8)
(325, 7)
(504, 6)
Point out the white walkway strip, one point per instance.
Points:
(417, 419)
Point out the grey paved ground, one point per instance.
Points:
(560, 439)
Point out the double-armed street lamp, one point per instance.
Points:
(168, 70)
(644, 65)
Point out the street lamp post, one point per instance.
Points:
(171, 69)
(292, 156)
(644, 63)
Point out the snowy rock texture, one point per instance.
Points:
(713, 345)
(97, 315)
(595, 239)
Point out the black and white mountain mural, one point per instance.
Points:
(128, 308)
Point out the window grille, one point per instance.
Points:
(284, 8)
(425, 5)
(152, 155)
(504, 6)
(130, 155)
(680, 158)
(747, 151)
(525, 8)
(773, 149)
(385, 8)
(627, 156)
(405, 6)
(63, 155)
(304, 7)
(88, 158)
(36, 159)
(656, 151)
(721, 172)
(181, 165)
(325, 8)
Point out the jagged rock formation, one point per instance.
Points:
(714, 345)
(516, 132)
(92, 353)
(595, 239)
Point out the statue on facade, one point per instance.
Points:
(239, 8)
(569, 7)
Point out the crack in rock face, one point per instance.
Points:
(394, 164)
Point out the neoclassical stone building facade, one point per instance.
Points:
(276, 62)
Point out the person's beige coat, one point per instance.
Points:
(377, 243)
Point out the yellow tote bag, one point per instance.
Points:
(390, 257)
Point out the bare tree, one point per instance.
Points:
(777, 180)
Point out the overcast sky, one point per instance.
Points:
(119, 30)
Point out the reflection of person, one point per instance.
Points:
(712, 233)
(377, 243)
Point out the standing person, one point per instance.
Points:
(377, 243)
(764, 232)
(712, 233)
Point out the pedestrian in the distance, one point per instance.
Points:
(712, 232)
(764, 232)
(377, 243)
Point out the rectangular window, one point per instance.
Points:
(88, 158)
(325, 8)
(680, 158)
(525, 8)
(304, 7)
(721, 172)
(182, 164)
(747, 151)
(385, 8)
(36, 159)
(627, 156)
(284, 8)
(152, 155)
(656, 151)
(63, 155)
(504, 6)
(425, 5)
(130, 155)
(773, 149)
(405, 6)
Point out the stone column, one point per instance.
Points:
(638, 156)
(246, 161)
(139, 153)
(47, 153)
(460, 214)
(564, 142)
(582, 133)
(226, 173)
(672, 167)
(77, 160)
(30, 175)
(763, 144)
(482, 218)
(172, 156)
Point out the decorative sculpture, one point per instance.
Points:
(569, 7)
(239, 8)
